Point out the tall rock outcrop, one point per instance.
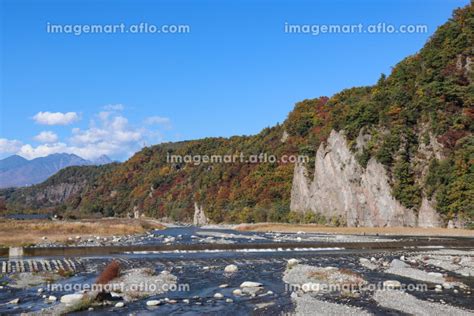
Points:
(427, 215)
(342, 188)
(200, 217)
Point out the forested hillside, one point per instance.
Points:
(60, 192)
(238, 192)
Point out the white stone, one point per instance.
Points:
(153, 303)
(368, 264)
(52, 298)
(218, 296)
(120, 304)
(447, 286)
(229, 300)
(292, 262)
(250, 284)
(231, 268)
(237, 292)
(71, 299)
(169, 240)
(15, 301)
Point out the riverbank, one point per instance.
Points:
(382, 231)
(28, 232)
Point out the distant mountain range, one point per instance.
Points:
(16, 171)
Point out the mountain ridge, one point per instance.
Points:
(16, 171)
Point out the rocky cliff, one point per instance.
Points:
(200, 217)
(56, 194)
(360, 196)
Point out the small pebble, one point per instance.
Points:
(153, 303)
(237, 292)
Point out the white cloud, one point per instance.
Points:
(46, 137)
(9, 146)
(109, 133)
(30, 152)
(158, 120)
(56, 118)
(114, 107)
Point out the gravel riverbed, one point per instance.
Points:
(249, 282)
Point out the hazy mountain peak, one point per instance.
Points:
(17, 171)
(12, 161)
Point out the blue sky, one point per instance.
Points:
(234, 73)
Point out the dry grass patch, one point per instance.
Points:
(21, 233)
(319, 275)
(313, 228)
